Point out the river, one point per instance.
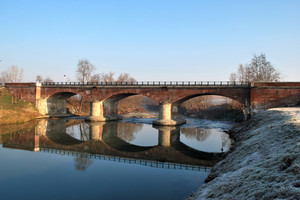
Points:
(128, 159)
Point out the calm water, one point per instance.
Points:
(71, 159)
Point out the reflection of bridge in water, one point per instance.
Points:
(105, 144)
(148, 163)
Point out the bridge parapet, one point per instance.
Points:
(275, 84)
(148, 163)
(150, 83)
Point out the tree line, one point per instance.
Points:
(86, 73)
(259, 69)
(12, 74)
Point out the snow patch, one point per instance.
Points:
(264, 162)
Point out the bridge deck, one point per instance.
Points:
(150, 83)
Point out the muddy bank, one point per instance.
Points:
(263, 163)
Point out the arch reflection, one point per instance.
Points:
(103, 140)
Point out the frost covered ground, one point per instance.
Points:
(263, 163)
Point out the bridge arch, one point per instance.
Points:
(194, 153)
(169, 111)
(240, 104)
(117, 143)
(56, 131)
(109, 137)
(188, 97)
(63, 138)
(107, 109)
(56, 104)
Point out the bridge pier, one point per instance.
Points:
(41, 128)
(97, 112)
(96, 130)
(164, 135)
(165, 116)
(167, 135)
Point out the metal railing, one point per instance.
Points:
(151, 83)
(149, 163)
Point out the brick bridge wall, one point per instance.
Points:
(24, 91)
(46, 96)
(257, 96)
(276, 94)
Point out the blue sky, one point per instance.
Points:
(149, 39)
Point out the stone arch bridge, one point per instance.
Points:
(50, 98)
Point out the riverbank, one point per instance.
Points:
(263, 163)
(13, 111)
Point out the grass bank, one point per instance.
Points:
(13, 111)
(263, 163)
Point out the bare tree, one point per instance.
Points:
(39, 78)
(48, 79)
(233, 77)
(96, 78)
(84, 71)
(12, 75)
(103, 77)
(262, 70)
(259, 70)
(128, 131)
(84, 74)
(82, 163)
(109, 77)
(125, 77)
(2, 77)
